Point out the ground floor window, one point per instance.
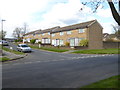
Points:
(45, 41)
(57, 42)
(61, 42)
(75, 41)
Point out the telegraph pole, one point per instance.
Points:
(2, 26)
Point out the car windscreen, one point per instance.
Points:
(24, 46)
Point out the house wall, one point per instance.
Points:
(93, 33)
(74, 34)
(107, 45)
(95, 36)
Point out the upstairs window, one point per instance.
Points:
(53, 35)
(34, 34)
(81, 31)
(43, 34)
(61, 33)
(48, 33)
(68, 32)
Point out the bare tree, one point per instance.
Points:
(17, 32)
(2, 34)
(116, 31)
(96, 3)
(24, 28)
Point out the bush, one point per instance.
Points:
(67, 44)
(16, 40)
(84, 42)
(19, 40)
(33, 41)
(39, 42)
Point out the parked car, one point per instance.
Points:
(4, 43)
(24, 48)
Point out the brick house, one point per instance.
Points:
(91, 30)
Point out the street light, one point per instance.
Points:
(2, 26)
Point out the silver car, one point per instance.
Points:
(4, 43)
(24, 48)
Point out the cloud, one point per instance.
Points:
(62, 14)
(106, 13)
(16, 12)
(43, 14)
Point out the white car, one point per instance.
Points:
(24, 48)
(4, 43)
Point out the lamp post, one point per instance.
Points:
(2, 26)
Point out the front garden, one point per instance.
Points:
(99, 51)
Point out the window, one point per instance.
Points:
(81, 30)
(53, 35)
(43, 34)
(33, 34)
(53, 42)
(61, 33)
(61, 42)
(38, 34)
(68, 32)
(48, 33)
(43, 41)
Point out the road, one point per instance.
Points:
(43, 69)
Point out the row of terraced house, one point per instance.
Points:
(58, 36)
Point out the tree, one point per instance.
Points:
(17, 32)
(2, 34)
(84, 42)
(96, 3)
(117, 31)
(33, 41)
(24, 29)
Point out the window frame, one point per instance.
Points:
(61, 33)
(53, 34)
(69, 32)
(81, 30)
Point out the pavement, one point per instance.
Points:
(12, 56)
(42, 69)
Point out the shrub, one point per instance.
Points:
(33, 41)
(67, 44)
(84, 42)
(39, 42)
(18, 40)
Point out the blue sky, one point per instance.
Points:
(43, 14)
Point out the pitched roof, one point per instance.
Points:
(76, 26)
(36, 31)
(66, 28)
(48, 30)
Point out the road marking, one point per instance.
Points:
(62, 59)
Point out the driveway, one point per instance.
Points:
(43, 69)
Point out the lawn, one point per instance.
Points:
(49, 49)
(4, 59)
(12, 51)
(98, 51)
(112, 82)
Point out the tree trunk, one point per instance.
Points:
(115, 14)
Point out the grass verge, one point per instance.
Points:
(12, 51)
(4, 59)
(98, 51)
(49, 49)
(112, 82)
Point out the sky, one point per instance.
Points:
(43, 14)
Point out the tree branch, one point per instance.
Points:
(115, 14)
